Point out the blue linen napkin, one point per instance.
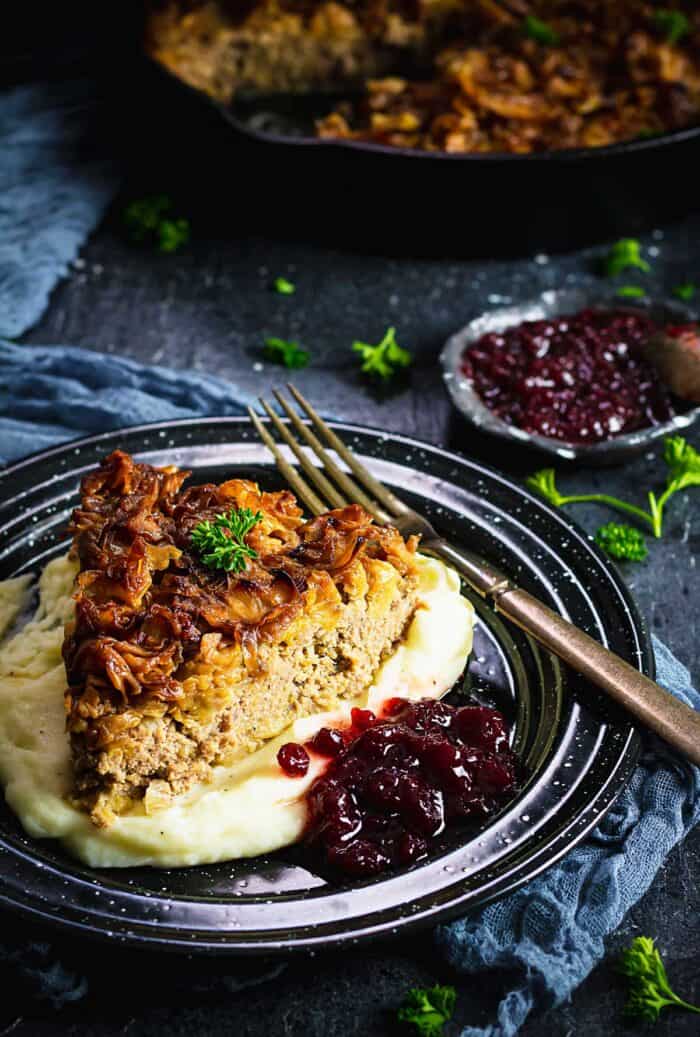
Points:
(52, 393)
(53, 190)
(551, 931)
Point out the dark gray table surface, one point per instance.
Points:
(210, 307)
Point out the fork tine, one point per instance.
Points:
(348, 485)
(329, 491)
(301, 488)
(391, 503)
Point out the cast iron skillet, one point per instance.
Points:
(289, 119)
(273, 176)
(577, 750)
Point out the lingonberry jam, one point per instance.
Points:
(393, 783)
(581, 379)
(293, 759)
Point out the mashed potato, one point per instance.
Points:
(247, 808)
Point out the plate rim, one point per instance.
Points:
(148, 934)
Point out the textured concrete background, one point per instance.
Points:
(211, 307)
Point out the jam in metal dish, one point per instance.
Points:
(582, 378)
(394, 782)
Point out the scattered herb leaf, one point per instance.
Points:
(428, 1010)
(631, 291)
(682, 461)
(143, 215)
(625, 255)
(172, 234)
(383, 360)
(622, 542)
(673, 24)
(150, 220)
(649, 988)
(220, 542)
(290, 354)
(284, 287)
(535, 29)
(684, 291)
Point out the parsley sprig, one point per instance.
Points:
(384, 359)
(151, 221)
(684, 291)
(682, 462)
(625, 255)
(284, 287)
(673, 24)
(289, 354)
(428, 1010)
(649, 988)
(221, 541)
(625, 543)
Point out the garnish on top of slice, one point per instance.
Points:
(384, 359)
(221, 541)
(290, 354)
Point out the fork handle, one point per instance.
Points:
(657, 709)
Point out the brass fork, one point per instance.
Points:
(330, 486)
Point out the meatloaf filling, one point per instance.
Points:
(174, 667)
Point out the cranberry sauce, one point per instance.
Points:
(293, 759)
(581, 379)
(394, 783)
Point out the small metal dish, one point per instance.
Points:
(556, 304)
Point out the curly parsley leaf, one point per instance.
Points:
(683, 464)
(622, 542)
(684, 291)
(682, 461)
(383, 360)
(631, 291)
(150, 221)
(625, 255)
(220, 542)
(649, 988)
(673, 24)
(535, 29)
(289, 354)
(428, 1009)
(284, 287)
(172, 234)
(544, 483)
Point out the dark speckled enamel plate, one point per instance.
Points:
(578, 751)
